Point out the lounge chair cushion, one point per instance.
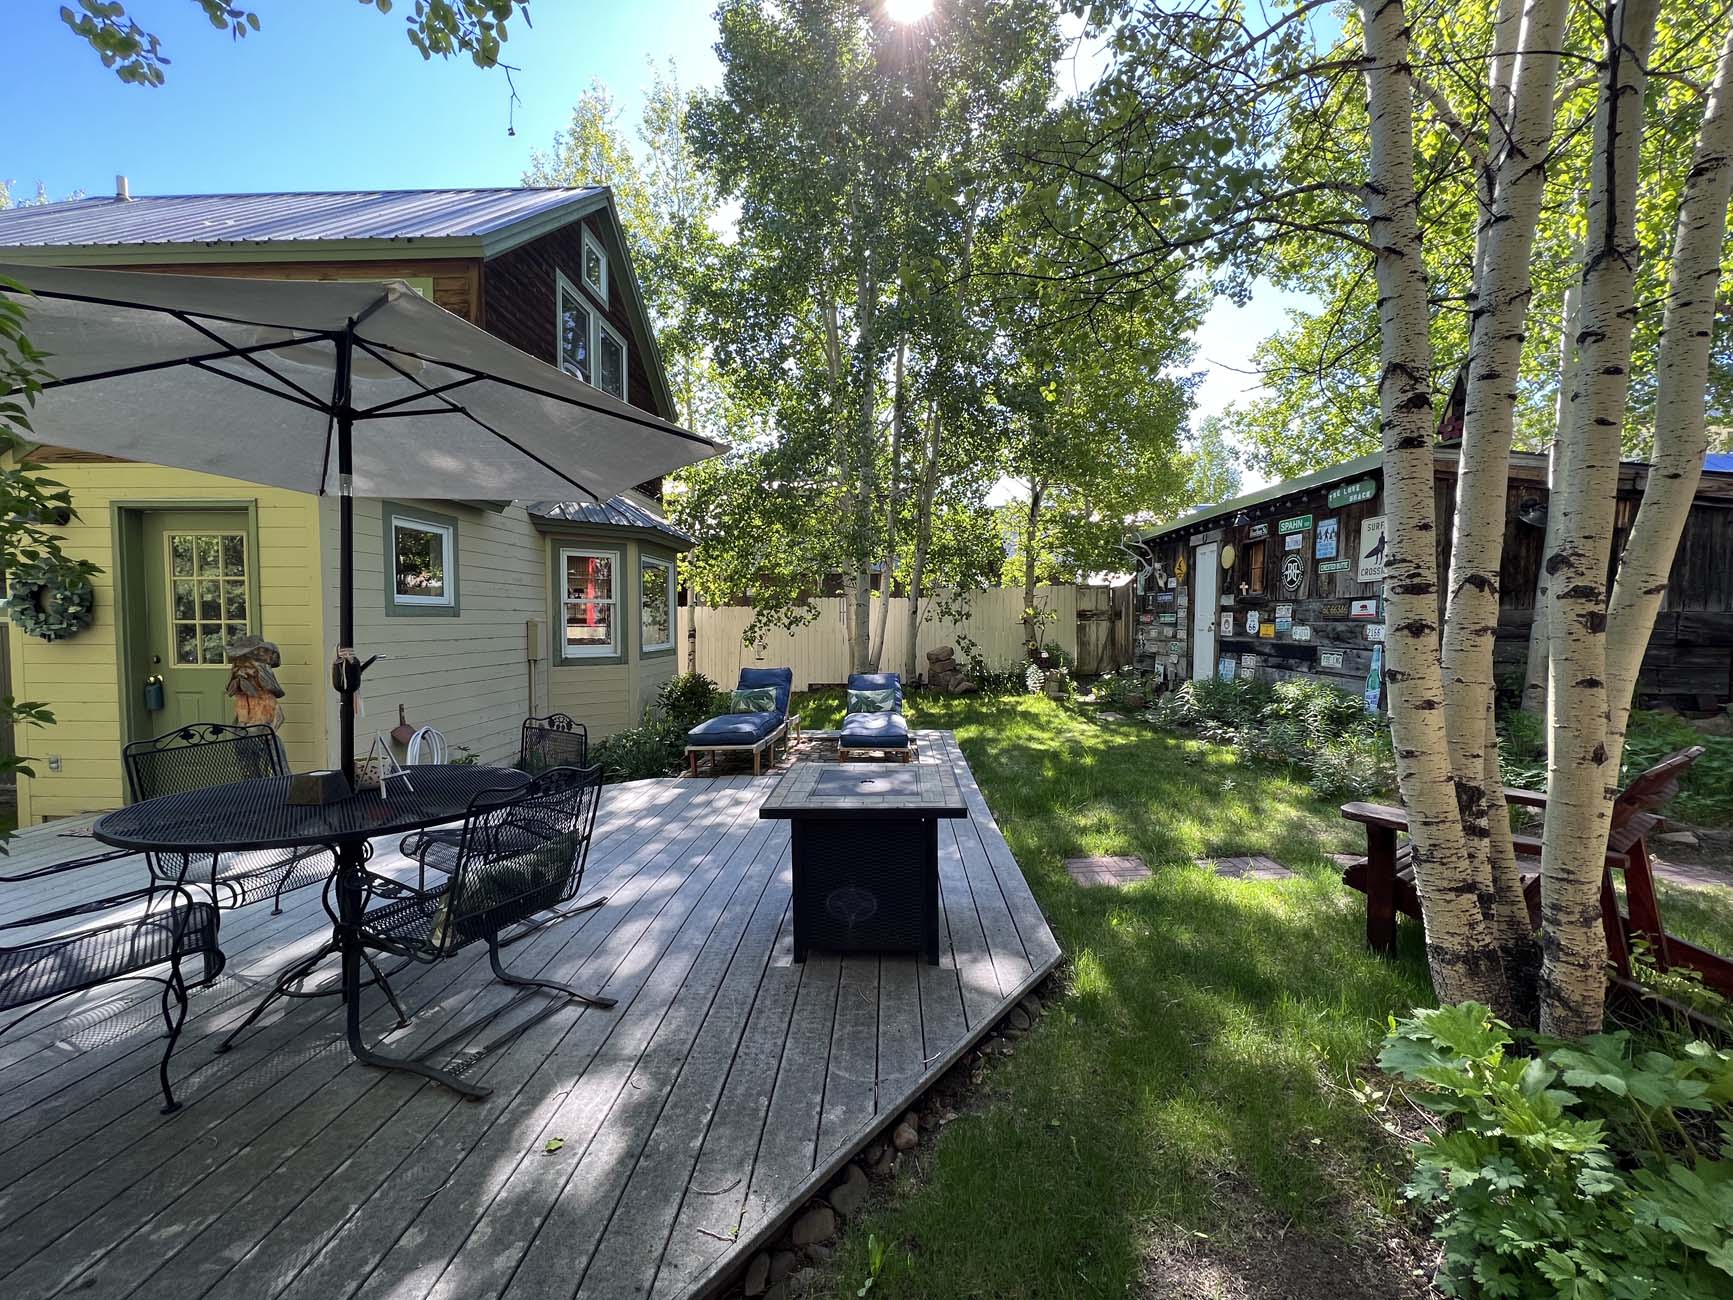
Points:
(734, 729)
(780, 678)
(878, 682)
(874, 731)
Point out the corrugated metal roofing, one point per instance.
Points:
(619, 512)
(262, 218)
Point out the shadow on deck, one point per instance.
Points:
(724, 1090)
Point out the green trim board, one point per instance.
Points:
(671, 558)
(126, 531)
(390, 514)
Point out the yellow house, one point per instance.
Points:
(484, 611)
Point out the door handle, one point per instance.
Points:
(153, 693)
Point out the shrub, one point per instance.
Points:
(655, 749)
(1358, 765)
(1115, 688)
(690, 698)
(997, 676)
(1586, 1170)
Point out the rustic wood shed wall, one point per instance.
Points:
(1299, 590)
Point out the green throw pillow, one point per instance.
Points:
(755, 699)
(883, 701)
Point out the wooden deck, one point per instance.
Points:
(725, 1089)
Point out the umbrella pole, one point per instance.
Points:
(347, 672)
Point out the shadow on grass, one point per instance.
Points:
(1192, 1062)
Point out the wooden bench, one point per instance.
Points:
(1386, 873)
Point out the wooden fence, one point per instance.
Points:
(711, 638)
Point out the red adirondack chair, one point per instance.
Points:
(1386, 874)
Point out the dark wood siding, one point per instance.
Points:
(456, 281)
(519, 307)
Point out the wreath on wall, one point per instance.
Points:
(50, 598)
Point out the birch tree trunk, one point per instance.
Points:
(1522, 138)
(1534, 696)
(923, 539)
(1580, 777)
(865, 448)
(1681, 432)
(893, 501)
(1032, 524)
(1460, 946)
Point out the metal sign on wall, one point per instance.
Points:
(1330, 658)
(1346, 494)
(1297, 524)
(1324, 540)
(1374, 542)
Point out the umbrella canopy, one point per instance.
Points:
(239, 377)
(357, 388)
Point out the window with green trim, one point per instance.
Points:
(656, 603)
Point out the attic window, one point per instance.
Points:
(595, 266)
(610, 361)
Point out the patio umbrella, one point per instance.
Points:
(362, 389)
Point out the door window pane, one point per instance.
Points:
(209, 604)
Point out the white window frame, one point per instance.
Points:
(612, 650)
(602, 327)
(588, 242)
(667, 566)
(449, 541)
(563, 287)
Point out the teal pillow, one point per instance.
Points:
(884, 701)
(754, 699)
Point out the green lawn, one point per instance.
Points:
(1192, 1074)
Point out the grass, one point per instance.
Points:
(1192, 1074)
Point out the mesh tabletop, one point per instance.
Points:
(258, 814)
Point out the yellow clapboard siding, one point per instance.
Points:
(79, 679)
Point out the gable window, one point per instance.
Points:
(595, 266)
(588, 604)
(421, 562)
(656, 603)
(610, 361)
(575, 324)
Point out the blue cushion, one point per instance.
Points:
(877, 682)
(734, 729)
(874, 731)
(781, 678)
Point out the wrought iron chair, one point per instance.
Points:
(202, 755)
(38, 972)
(521, 853)
(557, 740)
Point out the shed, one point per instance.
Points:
(1287, 581)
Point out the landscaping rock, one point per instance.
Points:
(1684, 839)
(1031, 1006)
(816, 1225)
(848, 1196)
(912, 1118)
(886, 1165)
(905, 1138)
(873, 1152)
(782, 1263)
(1018, 1019)
(779, 1291)
(819, 1254)
(944, 674)
(757, 1279)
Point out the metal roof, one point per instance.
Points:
(266, 218)
(619, 512)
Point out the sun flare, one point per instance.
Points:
(907, 11)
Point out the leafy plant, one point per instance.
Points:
(690, 698)
(1589, 1170)
(638, 753)
(877, 1250)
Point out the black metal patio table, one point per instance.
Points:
(257, 814)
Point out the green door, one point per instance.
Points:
(198, 592)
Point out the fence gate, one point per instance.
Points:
(1101, 625)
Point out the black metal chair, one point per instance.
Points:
(557, 740)
(521, 853)
(38, 972)
(205, 754)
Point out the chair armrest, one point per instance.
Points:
(86, 908)
(1377, 814)
(1525, 798)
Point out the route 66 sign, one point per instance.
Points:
(1293, 571)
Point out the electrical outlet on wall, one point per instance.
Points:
(54, 762)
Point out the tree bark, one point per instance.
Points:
(923, 539)
(1534, 696)
(1032, 524)
(1522, 138)
(1460, 948)
(1580, 778)
(893, 500)
(1681, 432)
(866, 438)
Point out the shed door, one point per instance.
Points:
(1206, 574)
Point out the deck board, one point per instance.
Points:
(694, 1116)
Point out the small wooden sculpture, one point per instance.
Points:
(253, 684)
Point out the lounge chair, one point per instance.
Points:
(876, 731)
(748, 733)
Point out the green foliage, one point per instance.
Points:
(434, 27)
(50, 597)
(690, 698)
(1587, 1170)
(1116, 689)
(639, 753)
(1346, 750)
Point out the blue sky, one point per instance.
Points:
(329, 95)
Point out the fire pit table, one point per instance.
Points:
(865, 847)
